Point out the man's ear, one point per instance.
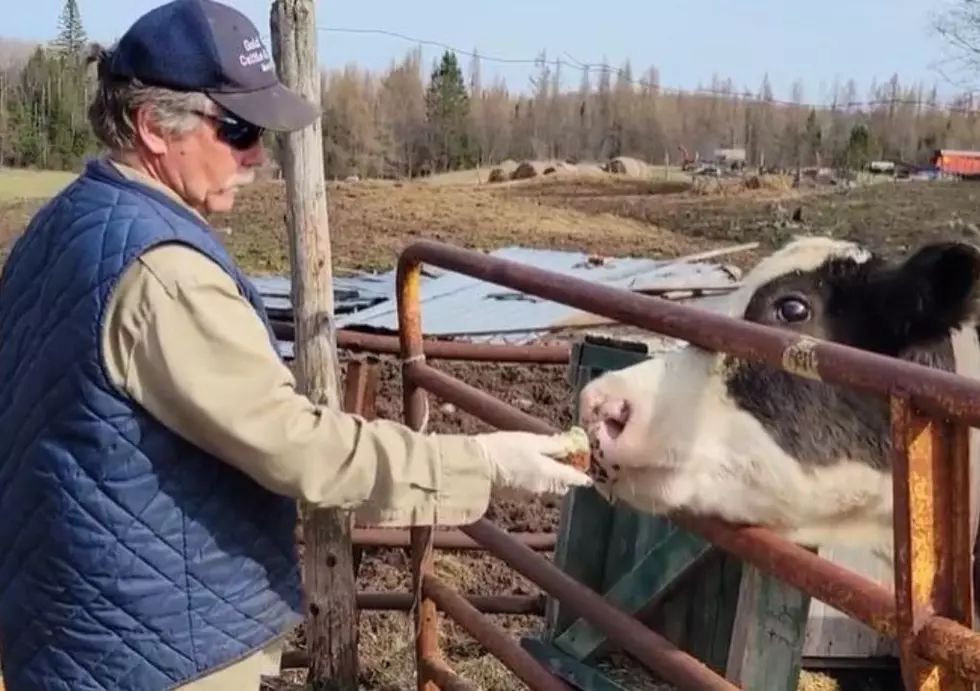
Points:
(148, 131)
(934, 290)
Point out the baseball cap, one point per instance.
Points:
(205, 46)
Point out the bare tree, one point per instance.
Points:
(959, 26)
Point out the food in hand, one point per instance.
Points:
(579, 451)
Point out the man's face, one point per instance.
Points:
(207, 165)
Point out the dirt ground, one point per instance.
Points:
(371, 222)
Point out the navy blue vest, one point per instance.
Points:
(130, 560)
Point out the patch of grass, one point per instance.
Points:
(18, 183)
(473, 176)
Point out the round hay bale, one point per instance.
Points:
(527, 170)
(498, 175)
(508, 166)
(624, 165)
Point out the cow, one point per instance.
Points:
(715, 435)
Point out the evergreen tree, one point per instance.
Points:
(447, 111)
(859, 147)
(813, 134)
(71, 39)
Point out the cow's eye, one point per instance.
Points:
(792, 309)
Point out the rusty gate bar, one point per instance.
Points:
(426, 616)
(502, 646)
(445, 677)
(652, 650)
(931, 581)
(445, 539)
(414, 400)
(487, 604)
(474, 401)
(851, 593)
(358, 341)
(935, 391)
(946, 642)
(933, 550)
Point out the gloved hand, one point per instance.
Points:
(525, 463)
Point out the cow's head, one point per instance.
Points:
(716, 435)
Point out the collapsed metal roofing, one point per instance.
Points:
(461, 306)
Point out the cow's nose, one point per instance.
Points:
(615, 414)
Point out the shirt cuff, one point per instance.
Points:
(462, 497)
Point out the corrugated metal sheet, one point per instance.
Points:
(454, 304)
(351, 293)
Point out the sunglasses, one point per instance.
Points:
(233, 131)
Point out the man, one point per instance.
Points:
(153, 441)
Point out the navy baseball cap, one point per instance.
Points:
(205, 46)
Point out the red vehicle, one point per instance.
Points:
(957, 162)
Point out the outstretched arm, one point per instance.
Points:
(182, 342)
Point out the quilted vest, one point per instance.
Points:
(130, 560)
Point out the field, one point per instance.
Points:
(371, 221)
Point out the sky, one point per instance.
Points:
(687, 40)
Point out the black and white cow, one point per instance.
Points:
(749, 443)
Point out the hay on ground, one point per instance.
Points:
(589, 168)
(777, 183)
(560, 167)
(704, 185)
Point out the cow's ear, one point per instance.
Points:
(936, 289)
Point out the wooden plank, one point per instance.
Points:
(631, 539)
(328, 561)
(580, 545)
(766, 651)
(830, 633)
(576, 673)
(644, 585)
(698, 616)
(713, 607)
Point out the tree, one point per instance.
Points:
(447, 111)
(72, 39)
(959, 27)
(813, 134)
(406, 120)
(858, 152)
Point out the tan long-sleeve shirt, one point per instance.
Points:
(180, 340)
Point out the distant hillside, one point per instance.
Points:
(14, 51)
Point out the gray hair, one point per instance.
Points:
(116, 101)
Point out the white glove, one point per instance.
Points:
(524, 462)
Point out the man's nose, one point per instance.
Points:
(254, 157)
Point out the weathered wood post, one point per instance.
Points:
(328, 575)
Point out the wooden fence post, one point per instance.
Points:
(328, 575)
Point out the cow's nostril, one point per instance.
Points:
(624, 413)
(615, 415)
